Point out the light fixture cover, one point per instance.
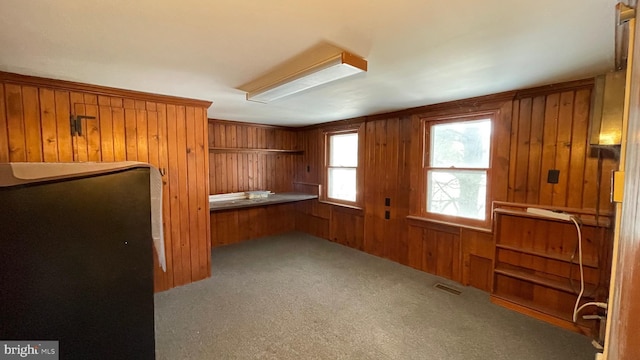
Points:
(317, 72)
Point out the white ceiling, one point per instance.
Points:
(420, 52)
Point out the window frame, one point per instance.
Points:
(427, 124)
(324, 193)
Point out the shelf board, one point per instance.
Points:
(542, 281)
(557, 257)
(552, 316)
(603, 221)
(253, 150)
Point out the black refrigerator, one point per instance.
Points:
(76, 264)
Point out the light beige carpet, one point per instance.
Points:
(296, 296)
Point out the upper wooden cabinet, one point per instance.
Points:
(36, 125)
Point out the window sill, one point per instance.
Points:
(354, 207)
(447, 223)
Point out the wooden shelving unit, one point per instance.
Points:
(254, 150)
(536, 269)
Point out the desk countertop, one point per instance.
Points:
(272, 199)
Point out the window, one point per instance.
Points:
(342, 166)
(458, 165)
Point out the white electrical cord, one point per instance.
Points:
(575, 308)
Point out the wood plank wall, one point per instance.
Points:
(234, 171)
(233, 226)
(240, 161)
(549, 131)
(35, 127)
(536, 130)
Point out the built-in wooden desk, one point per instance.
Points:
(271, 200)
(233, 221)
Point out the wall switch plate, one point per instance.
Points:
(387, 202)
(550, 214)
(387, 215)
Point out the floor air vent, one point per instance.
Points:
(446, 288)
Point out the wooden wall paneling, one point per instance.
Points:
(478, 251)
(183, 188)
(80, 149)
(415, 198)
(192, 218)
(142, 136)
(48, 123)
(430, 252)
(535, 149)
(391, 239)
(179, 277)
(549, 147)
(4, 137)
(222, 224)
(513, 150)
(91, 128)
(501, 155)
(232, 164)
(65, 141)
(118, 129)
(436, 249)
(131, 136)
(402, 184)
(202, 171)
(481, 276)
(347, 227)
(414, 247)
(105, 114)
(15, 123)
(579, 147)
(244, 171)
(198, 195)
(374, 187)
(522, 150)
(32, 127)
(233, 226)
(563, 147)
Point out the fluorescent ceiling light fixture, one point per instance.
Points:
(314, 73)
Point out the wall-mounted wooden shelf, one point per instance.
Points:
(254, 150)
(543, 281)
(546, 255)
(534, 272)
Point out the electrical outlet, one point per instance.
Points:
(550, 214)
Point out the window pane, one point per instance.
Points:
(344, 150)
(463, 144)
(342, 184)
(457, 192)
